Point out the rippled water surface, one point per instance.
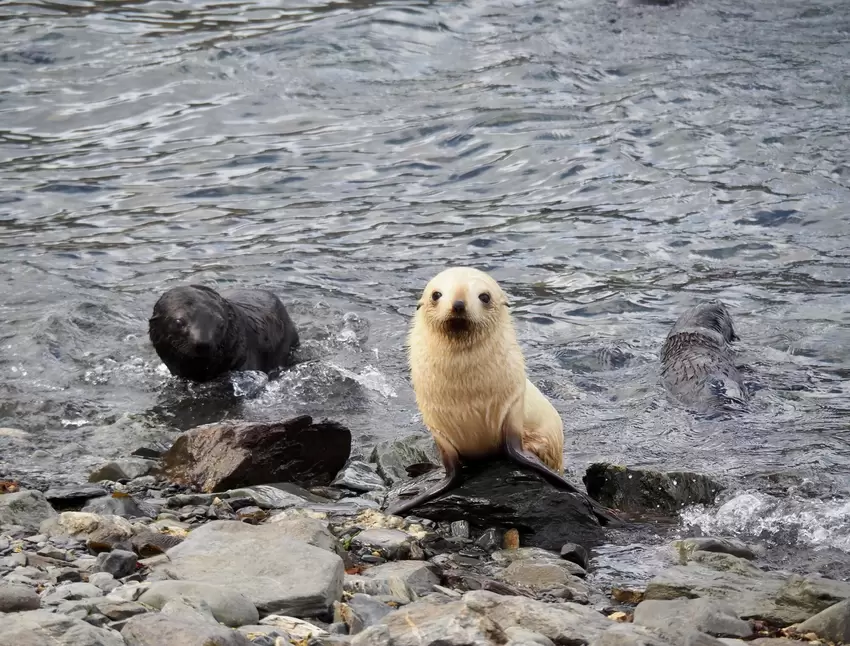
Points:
(608, 163)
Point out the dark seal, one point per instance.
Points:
(200, 334)
(697, 361)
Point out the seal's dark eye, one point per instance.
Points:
(435, 296)
(484, 298)
(180, 322)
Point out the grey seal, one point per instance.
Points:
(200, 334)
(697, 361)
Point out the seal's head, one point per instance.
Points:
(710, 315)
(461, 303)
(190, 322)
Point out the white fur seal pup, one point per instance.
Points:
(200, 334)
(697, 362)
(469, 377)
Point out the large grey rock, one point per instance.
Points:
(123, 469)
(776, 597)
(832, 624)
(546, 576)
(105, 530)
(419, 576)
(361, 611)
(359, 476)
(307, 530)
(644, 490)
(276, 573)
(157, 629)
(228, 606)
(480, 619)
(274, 497)
(393, 457)
(14, 598)
(508, 556)
(124, 506)
(25, 508)
(732, 546)
(118, 563)
(498, 494)
(232, 454)
(707, 615)
(42, 628)
(390, 543)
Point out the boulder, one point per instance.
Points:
(498, 494)
(419, 576)
(546, 576)
(227, 606)
(276, 573)
(308, 530)
(101, 531)
(14, 598)
(25, 508)
(706, 615)
(389, 543)
(232, 454)
(832, 624)
(124, 469)
(158, 629)
(644, 490)
(42, 628)
(120, 505)
(118, 563)
(392, 458)
(361, 611)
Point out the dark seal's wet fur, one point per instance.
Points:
(697, 361)
(200, 334)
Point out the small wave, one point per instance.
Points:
(790, 521)
(370, 378)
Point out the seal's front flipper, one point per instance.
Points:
(453, 479)
(515, 452)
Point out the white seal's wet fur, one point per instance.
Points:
(469, 377)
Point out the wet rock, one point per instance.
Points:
(118, 563)
(389, 543)
(776, 597)
(274, 497)
(706, 615)
(14, 598)
(42, 628)
(506, 557)
(480, 619)
(489, 540)
(276, 573)
(123, 469)
(308, 530)
(99, 529)
(832, 624)
(158, 629)
(643, 490)
(419, 576)
(731, 546)
(575, 554)
(393, 457)
(498, 494)
(361, 611)
(25, 508)
(227, 606)
(73, 495)
(546, 576)
(124, 506)
(228, 455)
(359, 476)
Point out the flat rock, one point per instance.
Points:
(273, 497)
(123, 469)
(25, 508)
(481, 618)
(644, 490)
(14, 598)
(498, 494)
(832, 624)
(545, 576)
(308, 530)
(228, 606)
(393, 457)
(231, 454)
(419, 576)
(73, 494)
(157, 629)
(777, 597)
(506, 557)
(359, 476)
(42, 628)
(706, 615)
(276, 573)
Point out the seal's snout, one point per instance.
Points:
(458, 307)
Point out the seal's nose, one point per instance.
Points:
(458, 307)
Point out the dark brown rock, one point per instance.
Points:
(216, 457)
(644, 490)
(498, 494)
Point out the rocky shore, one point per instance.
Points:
(273, 535)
